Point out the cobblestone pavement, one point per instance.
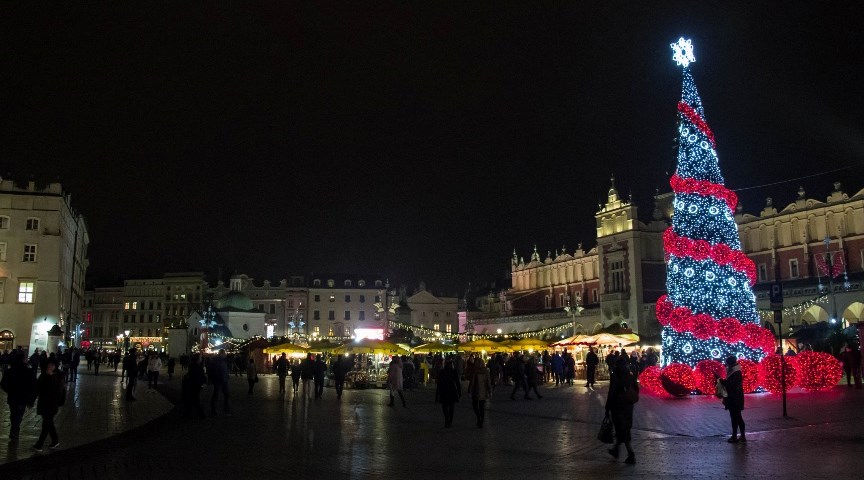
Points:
(269, 436)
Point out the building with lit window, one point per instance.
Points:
(43, 261)
(347, 306)
(620, 279)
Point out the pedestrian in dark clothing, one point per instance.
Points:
(517, 372)
(19, 387)
(251, 375)
(557, 366)
(50, 391)
(171, 364)
(532, 376)
(339, 370)
(76, 360)
(193, 383)
(620, 408)
(130, 366)
(295, 376)
(591, 362)
(307, 374)
(320, 372)
(569, 368)
(734, 401)
(447, 391)
(480, 387)
(282, 371)
(851, 359)
(97, 362)
(217, 373)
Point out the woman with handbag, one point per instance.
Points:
(623, 394)
(51, 393)
(734, 401)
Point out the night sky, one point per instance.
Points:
(421, 142)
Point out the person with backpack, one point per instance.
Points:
(623, 394)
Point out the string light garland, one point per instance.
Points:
(677, 379)
(554, 330)
(770, 373)
(793, 310)
(649, 380)
(705, 374)
(817, 370)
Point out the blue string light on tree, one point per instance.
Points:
(710, 302)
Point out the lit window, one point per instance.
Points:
(436, 327)
(330, 332)
(316, 330)
(330, 284)
(347, 331)
(4, 222)
(449, 328)
(25, 291)
(2, 251)
(134, 305)
(793, 268)
(29, 252)
(332, 298)
(32, 223)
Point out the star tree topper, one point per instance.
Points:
(683, 52)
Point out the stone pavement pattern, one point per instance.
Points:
(360, 437)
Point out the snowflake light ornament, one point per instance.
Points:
(683, 52)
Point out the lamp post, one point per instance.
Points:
(829, 259)
(574, 311)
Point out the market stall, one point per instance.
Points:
(372, 358)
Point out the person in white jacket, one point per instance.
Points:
(153, 367)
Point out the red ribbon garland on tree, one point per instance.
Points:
(704, 188)
(697, 120)
(699, 250)
(704, 326)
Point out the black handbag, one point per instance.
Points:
(605, 434)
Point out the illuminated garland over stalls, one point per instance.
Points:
(710, 310)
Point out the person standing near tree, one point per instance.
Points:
(734, 401)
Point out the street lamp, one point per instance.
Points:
(574, 311)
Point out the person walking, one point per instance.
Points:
(448, 389)
(50, 391)
(19, 387)
(557, 365)
(76, 360)
(480, 387)
(295, 375)
(532, 376)
(307, 374)
(130, 367)
(153, 367)
(591, 362)
(217, 373)
(282, 371)
(252, 375)
(851, 359)
(193, 383)
(394, 379)
(171, 365)
(517, 371)
(734, 401)
(318, 376)
(339, 370)
(623, 393)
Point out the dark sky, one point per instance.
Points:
(423, 141)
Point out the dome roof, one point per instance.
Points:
(234, 300)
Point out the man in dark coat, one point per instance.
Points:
(319, 371)
(620, 408)
(734, 401)
(130, 366)
(591, 362)
(282, 371)
(448, 390)
(19, 387)
(339, 370)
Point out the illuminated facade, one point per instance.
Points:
(43, 261)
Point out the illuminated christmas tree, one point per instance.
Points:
(710, 310)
